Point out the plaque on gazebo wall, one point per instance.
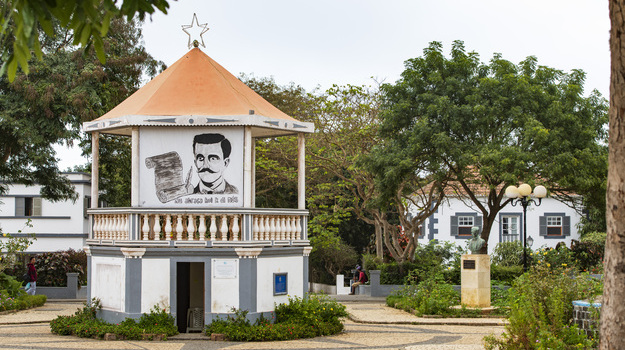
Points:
(191, 167)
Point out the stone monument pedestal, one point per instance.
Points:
(475, 280)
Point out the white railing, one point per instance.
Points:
(276, 228)
(110, 227)
(195, 225)
(509, 238)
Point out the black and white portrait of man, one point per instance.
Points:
(191, 167)
(211, 153)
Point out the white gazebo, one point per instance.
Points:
(192, 239)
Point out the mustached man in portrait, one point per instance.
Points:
(211, 154)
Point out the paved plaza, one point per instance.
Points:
(371, 326)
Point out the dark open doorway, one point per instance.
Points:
(190, 296)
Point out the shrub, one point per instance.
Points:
(299, 318)
(505, 274)
(554, 258)
(84, 324)
(588, 253)
(508, 254)
(433, 258)
(330, 256)
(429, 297)
(21, 302)
(52, 268)
(541, 309)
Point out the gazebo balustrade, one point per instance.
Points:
(149, 225)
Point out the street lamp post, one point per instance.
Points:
(522, 195)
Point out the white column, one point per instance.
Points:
(95, 163)
(253, 173)
(247, 167)
(134, 187)
(301, 171)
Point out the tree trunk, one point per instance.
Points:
(379, 243)
(613, 308)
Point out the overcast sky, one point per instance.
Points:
(324, 42)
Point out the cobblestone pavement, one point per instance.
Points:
(30, 330)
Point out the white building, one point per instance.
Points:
(57, 225)
(193, 239)
(548, 224)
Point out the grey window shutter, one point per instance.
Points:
(542, 222)
(454, 226)
(479, 222)
(422, 230)
(37, 206)
(19, 206)
(86, 203)
(566, 225)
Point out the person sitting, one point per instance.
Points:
(362, 279)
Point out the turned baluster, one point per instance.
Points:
(298, 228)
(255, 228)
(235, 228)
(191, 228)
(282, 228)
(123, 227)
(272, 228)
(261, 228)
(179, 228)
(157, 227)
(168, 227)
(213, 228)
(145, 229)
(202, 229)
(223, 230)
(289, 228)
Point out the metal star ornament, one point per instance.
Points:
(192, 29)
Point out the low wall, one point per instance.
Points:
(586, 316)
(69, 292)
(321, 288)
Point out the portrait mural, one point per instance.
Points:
(184, 167)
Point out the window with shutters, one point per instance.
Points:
(555, 225)
(27, 206)
(461, 224)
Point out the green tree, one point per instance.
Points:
(492, 125)
(67, 87)
(88, 20)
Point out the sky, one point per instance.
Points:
(319, 43)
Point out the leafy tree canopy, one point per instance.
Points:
(491, 125)
(67, 87)
(89, 20)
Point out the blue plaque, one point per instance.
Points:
(280, 283)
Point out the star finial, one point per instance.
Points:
(195, 24)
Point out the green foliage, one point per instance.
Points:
(10, 285)
(330, 256)
(21, 24)
(67, 87)
(508, 254)
(589, 251)
(299, 318)
(10, 299)
(505, 274)
(432, 258)
(431, 296)
(84, 324)
(553, 258)
(487, 125)
(52, 267)
(541, 308)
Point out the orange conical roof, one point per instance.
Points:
(195, 85)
